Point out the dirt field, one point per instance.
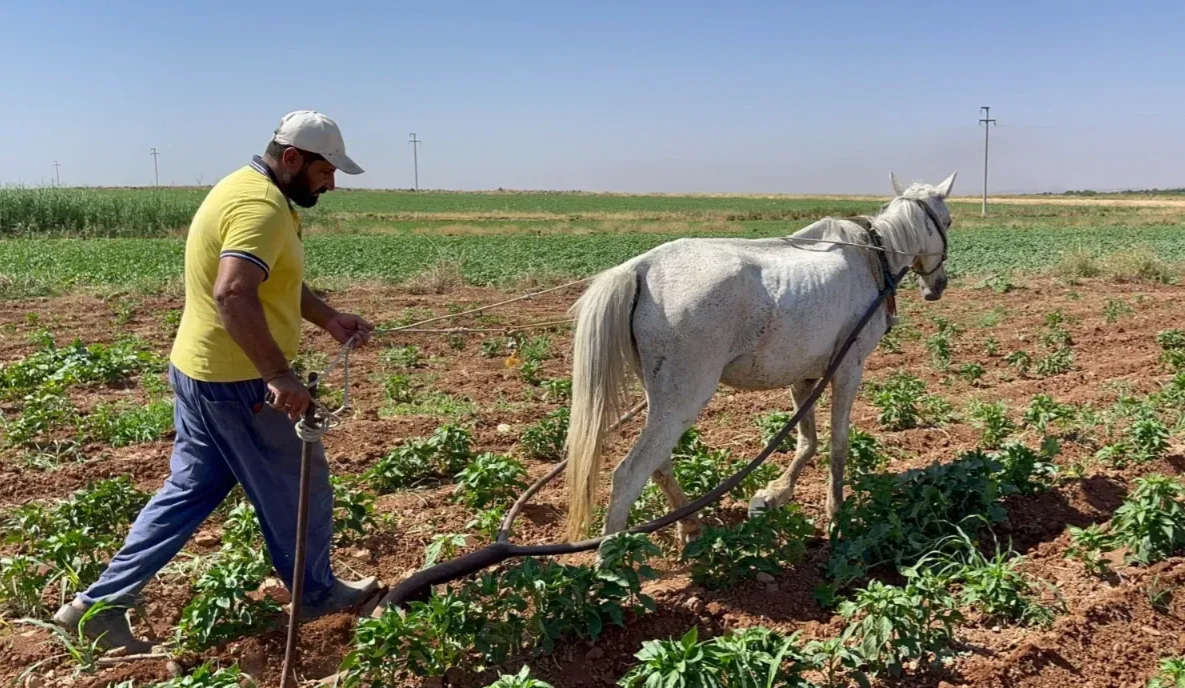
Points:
(1109, 634)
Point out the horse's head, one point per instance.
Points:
(930, 262)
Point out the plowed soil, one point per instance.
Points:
(1108, 632)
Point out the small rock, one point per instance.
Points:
(206, 539)
(764, 577)
(245, 681)
(995, 629)
(254, 661)
(273, 588)
(34, 681)
(771, 588)
(695, 604)
(361, 554)
(594, 654)
(1150, 630)
(715, 608)
(503, 428)
(117, 652)
(173, 668)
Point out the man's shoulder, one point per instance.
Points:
(242, 194)
(247, 185)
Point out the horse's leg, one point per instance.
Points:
(781, 489)
(674, 404)
(690, 527)
(844, 387)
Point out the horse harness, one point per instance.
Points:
(874, 238)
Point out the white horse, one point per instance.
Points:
(752, 313)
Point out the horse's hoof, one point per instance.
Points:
(758, 505)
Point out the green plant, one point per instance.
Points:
(752, 658)
(896, 519)
(971, 372)
(1088, 545)
(491, 479)
(940, 343)
(222, 609)
(206, 676)
(488, 521)
(897, 398)
(522, 679)
(61, 367)
(836, 661)
(408, 356)
(1160, 595)
(1043, 411)
(770, 424)
(485, 621)
(536, 349)
(353, 508)
(889, 625)
(1056, 362)
(1021, 360)
(1170, 340)
(557, 390)
(530, 372)
(1116, 309)
(864, 453)
(545, 439)
(991, 347)
(443, 545)
(992, 418)
(121, 426)
(1151, 521)
(494, 347)
(42, 412)
(172, 320)
(722, 557)
(1149, 437)
(22, 578)
(1171, 674)
(994, 586)
(419, 460)
(400, 389)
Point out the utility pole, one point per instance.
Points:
(987, 125)
(155, 169)
(56, 173)
(415, 154)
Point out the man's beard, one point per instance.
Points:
(299, 191)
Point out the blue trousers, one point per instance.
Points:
(226, 434)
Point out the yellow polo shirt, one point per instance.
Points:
(245, 216)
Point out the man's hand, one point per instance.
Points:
(345, 325)
(290, 396)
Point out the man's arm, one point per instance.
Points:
(314, 309)
(236, 294)
(342, 326)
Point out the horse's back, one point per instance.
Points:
(765, 310)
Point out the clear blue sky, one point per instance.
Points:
(796, 97)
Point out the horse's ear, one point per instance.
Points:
(897, 188)
(945, 187)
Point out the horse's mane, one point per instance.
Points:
(897, 222)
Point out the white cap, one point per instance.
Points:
(312, 131)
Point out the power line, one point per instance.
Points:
(415, 154)
(56, 173)
(987, 125)
(155, 169)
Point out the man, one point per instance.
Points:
(244, 301)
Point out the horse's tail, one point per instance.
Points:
(603, 356)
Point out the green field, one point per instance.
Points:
(55, 239)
